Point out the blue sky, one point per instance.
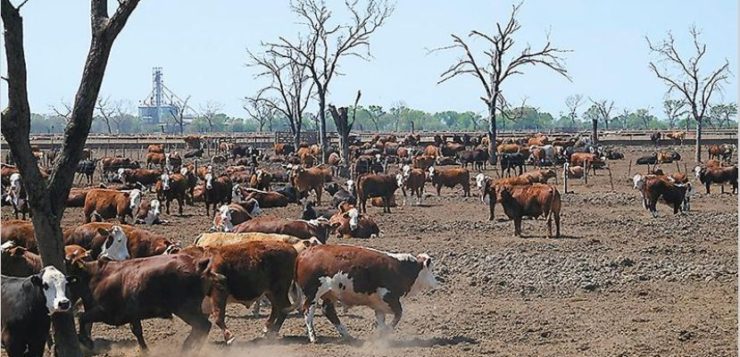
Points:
(201, 46)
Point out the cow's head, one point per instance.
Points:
(406, 170)
(184, 171)
(222, 222)
(638, 181)
(135, 200)
(74, 253)
(54, 286)
(400, 180)
(209, 181)
(255, 209)
(431, 173)
(152, 215)
(354, 218)
(259, 174)
(351, 187)
(236, 193)
(115, 246)
(479, 179)
(121, 174)
(699, 172)
(425, 278)
(165, 181)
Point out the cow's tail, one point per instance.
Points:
(296, 297)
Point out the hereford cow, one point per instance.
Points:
(172, 187)
(233, 214)
(17, 196)
(370, 186)
(149, 212)
(720, 175)
(450, 178)
(219, 239)
(114, 164)
(351, 224)
(413, 180)
(539, 176)
(28, 304)
(265, 199)
(138, 242)
(130, 291)
(260, 180)
(354, 276)
(105, 204)
(218, 191)
(318, 228)
(19, 232)
(530, 200)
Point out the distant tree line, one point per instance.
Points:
(402, 118)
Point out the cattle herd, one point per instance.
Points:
(120, 272)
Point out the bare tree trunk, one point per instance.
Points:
(322, 127)
(699, 123)
(492, 134)
(595, 131)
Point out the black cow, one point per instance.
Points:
(27, 304)
(309, 212)
(194, 153)
(243, 151)
(290, 192)
(87, 168)
(512, 161)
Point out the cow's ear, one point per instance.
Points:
(203, 264)
(103, 232)
(36, 280)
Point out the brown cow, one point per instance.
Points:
(721, 175)
(318, 228)
(130, 291)
(76, 197)
(105, 203)
(265, 199)
(431, 151)
(145, 177)
(530, 200)
(450, 178)
(154, 158)
(585, 159)
(20, 233)
(243, 272)
(6, 171)
(284, 149)
(235, 213)
(139, 242)
(359, 276)
(574, 172)
(306, 180)
(376, 185)
(677, 136)
(18, 261)
(413, 180)
(539, 176)
(155, 148)
(260, 180)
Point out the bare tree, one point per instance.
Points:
(323, 44)
(65, 113)
(105, 111)
(289, 84)
(573, 102)
(209, 112)
(375, 112)
(674, 109)
(344, 127)
(47, 198)
(177, 112)
(259, 111)
(499, 66)
(696, 88)
(603, 109)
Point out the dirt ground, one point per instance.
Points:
(619, 283)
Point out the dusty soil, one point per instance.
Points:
(619, 283)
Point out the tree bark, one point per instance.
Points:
(322, 127)
(47, 200)
(698, 139)
(595, 131)
(492, 159)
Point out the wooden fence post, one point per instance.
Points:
(629, 169)
(565, 181)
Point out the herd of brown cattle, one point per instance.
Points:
(124, 274)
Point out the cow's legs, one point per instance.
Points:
(14, 346)
(380, 322)
(279, 304)
(179, 203)
(331, 313)
(218, 312)
(309, 309)
(200, 325)
(137, 330)
(557, 224)
(395, 306)
(517, 226)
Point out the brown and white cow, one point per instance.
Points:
(357, 276)
(413, 180)
(104, 203)
(351, 224)
(234, 214)
(265, 199)
(139, 242)
(260, 180)
(172, 187)
(145, 177)
(218, 190)
(664, 188)
(721, 175)
(450, 178)
(531, 201)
